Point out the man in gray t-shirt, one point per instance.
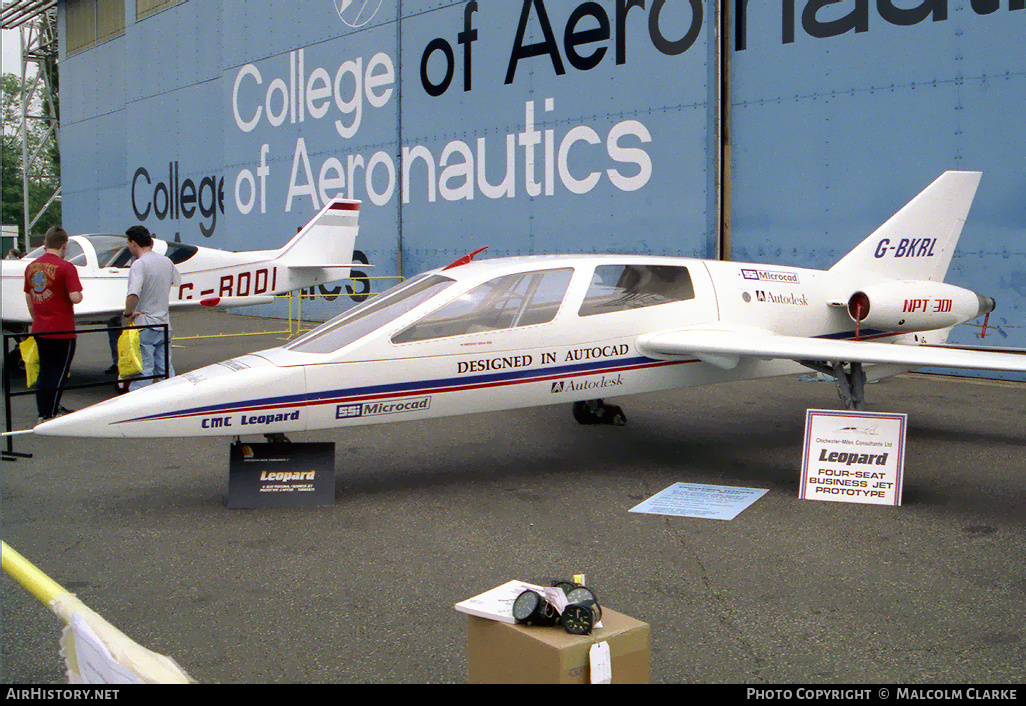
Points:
(149, 286)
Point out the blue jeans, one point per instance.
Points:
(156, 357)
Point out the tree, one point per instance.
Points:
(12, 193)
(44, 179)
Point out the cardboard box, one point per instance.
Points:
(499, 653)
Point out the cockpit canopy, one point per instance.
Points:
(112, 251)
(520, 299)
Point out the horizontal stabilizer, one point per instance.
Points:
(725, 347)
(335, 266)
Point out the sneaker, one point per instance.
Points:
(61, 411)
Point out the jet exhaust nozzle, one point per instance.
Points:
(987, 304)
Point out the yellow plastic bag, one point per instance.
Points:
(30, 355)
(129, 353)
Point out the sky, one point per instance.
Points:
(12, 51)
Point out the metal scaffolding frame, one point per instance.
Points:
(37, 22)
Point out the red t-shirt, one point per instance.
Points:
(49, 280)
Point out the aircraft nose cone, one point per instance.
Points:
(247, 395)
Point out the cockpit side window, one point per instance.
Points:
(521, 299)
(624, 287)
(370, 316)
(180, 252)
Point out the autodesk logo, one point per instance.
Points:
(357, 13)
(792, 298)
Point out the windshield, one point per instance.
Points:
(74, 254)
(371, 315)
(511, 301)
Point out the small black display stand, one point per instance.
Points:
(281, 475)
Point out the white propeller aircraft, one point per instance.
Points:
(321, 252)
(517, 332)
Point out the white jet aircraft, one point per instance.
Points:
(321, 252)
(524, 331)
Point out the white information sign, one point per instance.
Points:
(714, 502)
(853, 457)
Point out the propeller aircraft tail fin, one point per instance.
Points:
(327, 240)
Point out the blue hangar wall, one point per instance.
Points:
(537, 126)
(843, 111)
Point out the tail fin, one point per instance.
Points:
(918, 241)
(327, 240)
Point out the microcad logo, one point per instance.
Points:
(357, 13)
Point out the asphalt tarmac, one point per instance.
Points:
(429, 513)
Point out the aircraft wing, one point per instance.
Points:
(335, 267)
(101, 311)
(724, 348)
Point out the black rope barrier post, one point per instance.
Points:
(7, 398)
(9, 454)
(167, 351)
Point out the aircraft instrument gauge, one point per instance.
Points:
(578, 619)
(531, 609)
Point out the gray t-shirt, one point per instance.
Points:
(151, 278)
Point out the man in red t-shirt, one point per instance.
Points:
(52, 288)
